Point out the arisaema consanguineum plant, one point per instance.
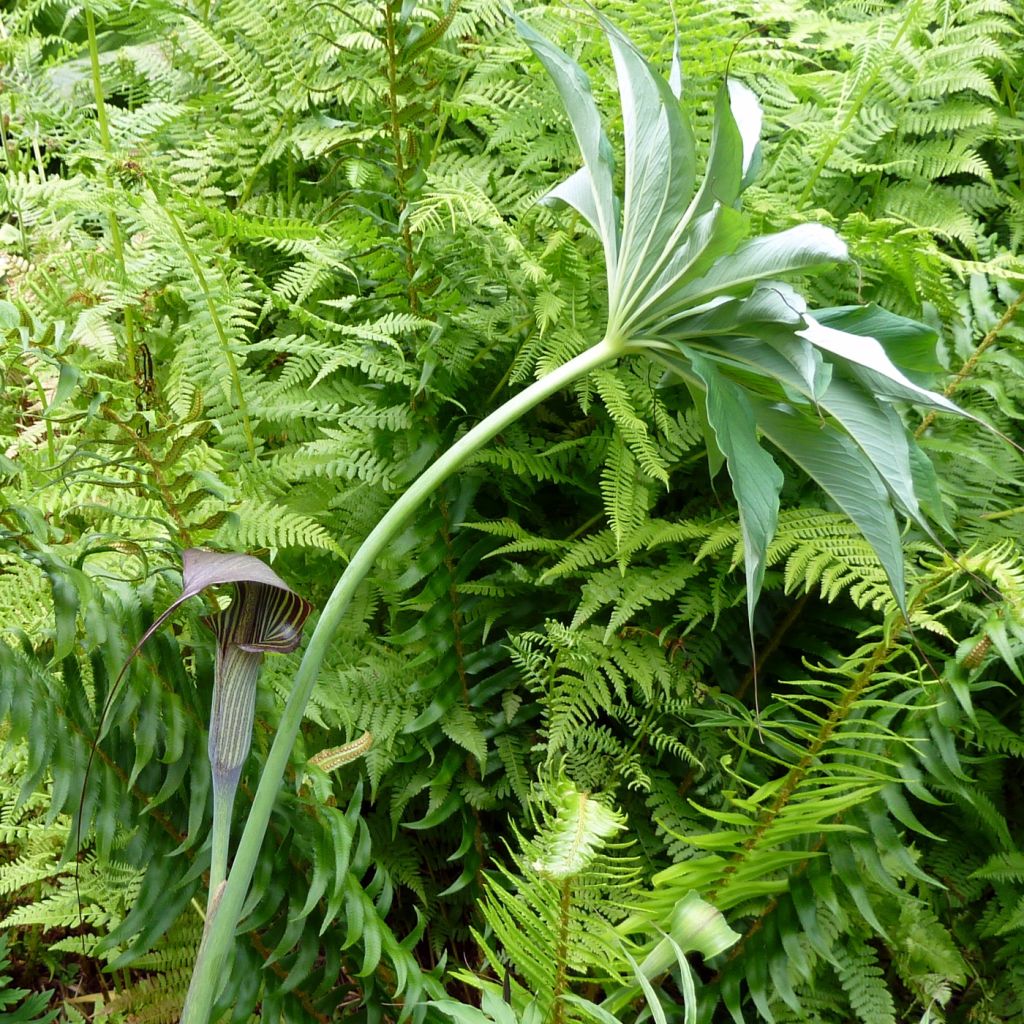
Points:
(690, 290)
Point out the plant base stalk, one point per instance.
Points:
(219, 936)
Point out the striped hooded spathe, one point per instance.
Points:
(265, 615)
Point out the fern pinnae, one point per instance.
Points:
(226, 349)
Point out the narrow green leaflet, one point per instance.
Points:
(926, 486)
(659, 164)
(734, 143)
(574, 88)
(843, 471)
(756, 479)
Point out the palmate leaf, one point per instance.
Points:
(688, 289)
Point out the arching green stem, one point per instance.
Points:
(219, 938)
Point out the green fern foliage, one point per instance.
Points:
(267, 266)
(895, 125)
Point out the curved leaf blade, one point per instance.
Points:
(709, 237)
(576, 191)
(873, 425)
(867, 354)
(804, 247)
(659, 161)
(880, 434)
(734, 143)
(846, 475)
(756, 479)
(574, 88)
(911, 343)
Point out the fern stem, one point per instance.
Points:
(155, 468)
(460, 661)
(51, 450)
(1011, 105)
(796, 774)
(396, 139)
(968, 368)
(641, 733)
(561, 954)
(778, 635)
(13, 158)
(207, 978)
(116, 239)
(759, 921)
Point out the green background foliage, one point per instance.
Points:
(297, 256)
